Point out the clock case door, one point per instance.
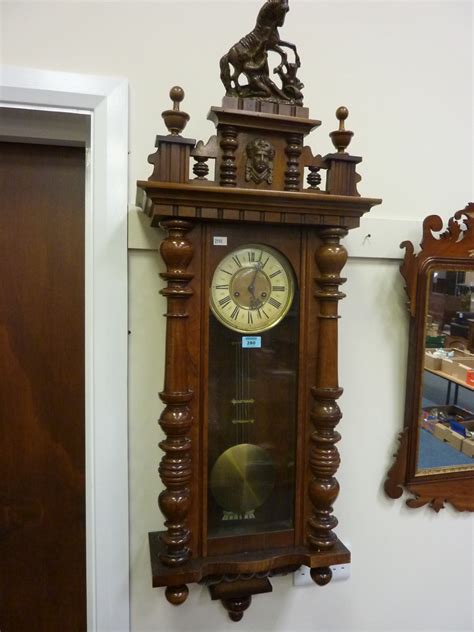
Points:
(272, 380)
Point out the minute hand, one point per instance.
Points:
(251, 287)
(254, 303)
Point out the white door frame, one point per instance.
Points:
(106, 101)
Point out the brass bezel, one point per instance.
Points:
(287, 267)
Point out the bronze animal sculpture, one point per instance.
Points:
(250, 57)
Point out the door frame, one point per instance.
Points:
(105, 100)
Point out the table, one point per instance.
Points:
(451, 380)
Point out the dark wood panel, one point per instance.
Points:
(264, 541)
(42, 461)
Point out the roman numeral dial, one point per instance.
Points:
(252, 288)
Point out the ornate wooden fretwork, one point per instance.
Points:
(439, 248)
(456, 241)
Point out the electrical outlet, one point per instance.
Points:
(302, 577)
(340, 572)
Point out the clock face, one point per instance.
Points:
(252, 289)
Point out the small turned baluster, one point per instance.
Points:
(176, 420)
(201, 168)
(293, 151)
(341, 138)
(324, 457)
(229, 145)
(314, 178)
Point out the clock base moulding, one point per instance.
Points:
(233, 579)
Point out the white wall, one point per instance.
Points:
(404, 69)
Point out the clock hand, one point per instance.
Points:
(251, 287)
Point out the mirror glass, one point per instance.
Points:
(446, 419)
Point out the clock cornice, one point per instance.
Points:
(190, 201)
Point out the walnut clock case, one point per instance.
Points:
(253, 268)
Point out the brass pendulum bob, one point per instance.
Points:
(242, 478)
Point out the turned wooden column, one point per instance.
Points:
(324, 456)
(229, 145)
(293, 150)
(175, 467)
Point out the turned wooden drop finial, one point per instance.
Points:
(342, 137)
(177, 595)
(175, 120)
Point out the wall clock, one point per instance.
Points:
(253, 269)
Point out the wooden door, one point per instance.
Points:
(42, 430)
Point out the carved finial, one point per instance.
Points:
(342, 137)
(175, 120)
(341, 114)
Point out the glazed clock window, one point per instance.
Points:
(252, 395)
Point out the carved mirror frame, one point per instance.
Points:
(451, 249)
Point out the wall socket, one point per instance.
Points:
(302, 576)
